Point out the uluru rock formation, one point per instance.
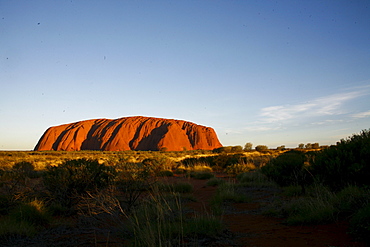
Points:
(129, 133)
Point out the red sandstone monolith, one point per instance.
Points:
(129, 133)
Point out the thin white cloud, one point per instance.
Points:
(323, 106)
(260, 128)
(361, 114)
(328, 121)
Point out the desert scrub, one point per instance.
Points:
(24, 220)
(73, 178)
(157, 221)
(288, 169)
(180, 187)
(345, 163)
(34, 213)
(239, 168)
(360, 224)
(160, 221)
(203, 225)
(133, 180)
(254, 179)
(227, 192)
(321, 205)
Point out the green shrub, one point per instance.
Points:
(203, 226)
(360, 224)
(318, 206)
(133, 180)
(287, 169)
(183, 188)
(26, 168)
(346, 163)
(33, 213)
(254, 179)
(351, 199)
(227, 192)
(180, 187)
(236, 169)
(76, 177)
(261, 148)
(321, 205)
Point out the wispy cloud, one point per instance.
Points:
(323, 106)
(261, 128)
(328, 121)
(361, 114)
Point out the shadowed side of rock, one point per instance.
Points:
(129, 133)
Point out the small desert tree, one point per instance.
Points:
(248, 146)
(280, 148)
(261, 148)
(315, 145)
(236, 149)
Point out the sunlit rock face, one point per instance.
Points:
(129, 133)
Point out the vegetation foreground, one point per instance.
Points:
(92, 198)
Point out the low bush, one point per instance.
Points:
(345, 163)
(25, 168)
(227, 192)
(180, 187)
(133, 180)
(288, 169)
(33, 213)
(254, 179)
(360, 224)
(203, 226)
(321, 205)
(239, 168)
(66, 182)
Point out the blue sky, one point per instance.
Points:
(268, 72)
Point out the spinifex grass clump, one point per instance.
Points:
(200, 171)
(160, 221)
(254, 179)
(24, 220)
(227, 192)
(321, 205)
(239, 168)
(33, 213)
(180, 187)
